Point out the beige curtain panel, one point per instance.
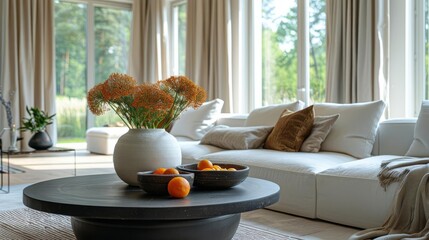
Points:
(357, 45)
(208, 48)
(148, 60)
(28, 63)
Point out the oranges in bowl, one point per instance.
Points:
(168, 181)
(216, 175)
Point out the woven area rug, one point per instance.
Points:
(25, 223)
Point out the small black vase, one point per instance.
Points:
(40, 141)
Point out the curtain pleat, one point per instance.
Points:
(356, 66)
(208, 48)
(28, 66)
(148, 61)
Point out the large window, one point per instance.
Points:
(91, 42)
(280, 43)
(270, 44)
(279, 51)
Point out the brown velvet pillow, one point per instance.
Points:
(291, 130)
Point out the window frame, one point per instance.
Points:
(303, 52)
(174, 34)
(419, 54)
(90, 40)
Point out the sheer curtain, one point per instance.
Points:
(28, 59)
(212, 58)
(357, 43)
(148, 60)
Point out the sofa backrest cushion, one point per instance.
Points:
(355, 130)
(194, 123)
(420, 145)
(268, 116)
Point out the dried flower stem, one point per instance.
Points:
(147, 105)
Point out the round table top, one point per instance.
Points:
(107, 197)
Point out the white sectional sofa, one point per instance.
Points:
(327, 185)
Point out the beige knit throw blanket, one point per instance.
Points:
(410, 214)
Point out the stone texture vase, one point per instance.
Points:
(40, 141)
(141, 150)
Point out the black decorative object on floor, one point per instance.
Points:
(40, 141)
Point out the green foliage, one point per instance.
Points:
(112, 34)
(37, 120)
(279, 52)
(111, 40)
(71, 117)
(70, 49)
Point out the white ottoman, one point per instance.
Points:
(102, 140)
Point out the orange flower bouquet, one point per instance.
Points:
(154, 105)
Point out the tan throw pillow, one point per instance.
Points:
(321, 127)
(290, 130)
(238, 138)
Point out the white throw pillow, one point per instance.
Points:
(268, 116)
(238, 138)
(420, 145)
(194, 123)
(354, 132)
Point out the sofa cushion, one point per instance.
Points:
(238, 138)
(193, 150)
(394, 136)
(420, 145)
(321, 127)
(268, 116)
(194, 123)
(354, 132)
(294, 172)
(351, 194)
(291, 130)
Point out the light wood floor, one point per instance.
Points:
(40, 167)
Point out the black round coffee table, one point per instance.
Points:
(104, 207)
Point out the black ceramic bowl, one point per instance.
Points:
(217, 179)
(157, 184)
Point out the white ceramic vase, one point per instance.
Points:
(144, 150)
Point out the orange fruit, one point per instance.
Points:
(217, 167)
(205, 163)
(178, 187)
(160, 170)
(171, 171)
(208, 169)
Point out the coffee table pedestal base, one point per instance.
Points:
(216, 228)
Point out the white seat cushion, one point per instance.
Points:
(351, 194)
(294, 172)
(192, 150)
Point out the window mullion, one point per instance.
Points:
(420, 53)
(303, 84)
(90, 35)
